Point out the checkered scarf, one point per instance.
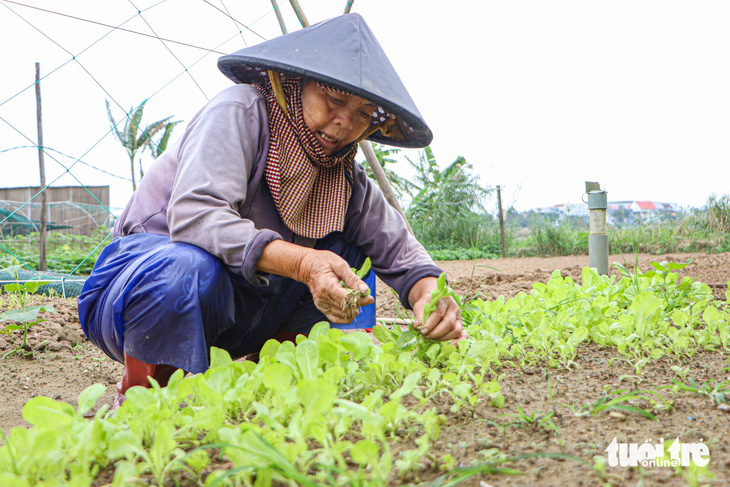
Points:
(310, 188)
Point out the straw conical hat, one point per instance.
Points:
(341, 52)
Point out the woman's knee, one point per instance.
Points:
(186, 273)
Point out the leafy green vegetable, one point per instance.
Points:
(26, 316)
(364, 269)
(349, 304)
(442, 291)
(329, 410)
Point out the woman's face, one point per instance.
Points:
(335, 119)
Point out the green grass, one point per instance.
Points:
(701, 231)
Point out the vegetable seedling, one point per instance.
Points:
(442, 291)
(717, 391)
(621, 400)
(26, 316)
(349, 304)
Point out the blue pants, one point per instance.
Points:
(168, 303)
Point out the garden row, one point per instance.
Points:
(339, 409)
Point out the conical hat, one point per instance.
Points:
(341, 52)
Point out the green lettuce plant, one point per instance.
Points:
(24, 316)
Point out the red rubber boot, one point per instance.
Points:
(136, 373)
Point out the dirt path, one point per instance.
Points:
(63, 363)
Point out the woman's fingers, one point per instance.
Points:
(444, 323)
(351, 280)
(336, 311)
(446, 329)
(327, 271)
(463, 336)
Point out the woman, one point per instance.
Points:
(246, 229)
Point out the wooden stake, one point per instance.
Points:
(300, 14)
(395, 321)
(279, 17)
(382, 180)
(501, 221)
(42, 168)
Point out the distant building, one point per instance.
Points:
(618, 212)
(568, 209)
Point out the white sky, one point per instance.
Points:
(539, 96)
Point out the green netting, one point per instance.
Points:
(21, 218)
(100, 146)
(72, 244)
(59, 285)
(17, 224)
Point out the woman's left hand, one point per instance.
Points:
(444, 323)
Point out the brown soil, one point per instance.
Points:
(60, 363)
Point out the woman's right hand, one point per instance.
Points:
(322, 271)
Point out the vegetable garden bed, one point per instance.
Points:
(547, 380)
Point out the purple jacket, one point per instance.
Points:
(209, 190)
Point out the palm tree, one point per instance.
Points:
(133, 143)
(447, 210)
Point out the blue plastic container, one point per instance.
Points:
(366, 318)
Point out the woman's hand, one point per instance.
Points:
(321, 271)
(444, 323)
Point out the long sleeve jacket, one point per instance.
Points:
(209, 190)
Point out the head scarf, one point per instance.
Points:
(310, 188)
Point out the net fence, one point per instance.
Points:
(64, 217)
(83, 82)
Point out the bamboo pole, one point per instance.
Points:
(382, 180)
(394, 321)
(300, 14)
(348, 7)
(42, 168)
(279, 17)
(501, 220)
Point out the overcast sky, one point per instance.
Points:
(538, 95)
